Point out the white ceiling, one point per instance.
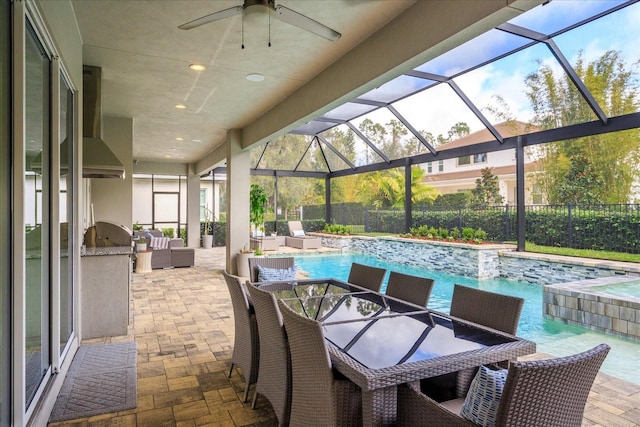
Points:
(145, 57)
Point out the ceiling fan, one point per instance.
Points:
(279, 12)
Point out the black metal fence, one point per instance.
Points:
(600, 227)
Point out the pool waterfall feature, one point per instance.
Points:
(559, 275)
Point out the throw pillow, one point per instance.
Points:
(481, 404)
(298, 233)
(276, 274)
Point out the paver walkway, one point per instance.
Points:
(182, 320)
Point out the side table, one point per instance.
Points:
(143, 262)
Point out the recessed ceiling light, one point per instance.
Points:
(196, 140)
(255, 77)
(197, 67)
(179, 138)
(180, 106)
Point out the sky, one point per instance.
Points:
(438, 108)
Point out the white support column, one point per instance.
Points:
(238, 183)
(193, 210)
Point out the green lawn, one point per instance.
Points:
(584, 253)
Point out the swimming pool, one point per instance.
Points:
(627, 289)
(551, 336)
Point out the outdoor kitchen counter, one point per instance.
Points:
(108, 250)
(106, 273)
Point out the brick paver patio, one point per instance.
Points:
(182, 320)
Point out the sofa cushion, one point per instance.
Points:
(276, 274)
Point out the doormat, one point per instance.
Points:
(101, 380)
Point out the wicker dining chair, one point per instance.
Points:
(246, 345)
(550, 393)
(406, 287)
(496, 311)
(490, 309)
(318, 397)
(284, 263)
(366, 276)
(274, 375)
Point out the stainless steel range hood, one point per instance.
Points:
(98, 161)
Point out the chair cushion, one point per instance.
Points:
(298, 233)
(276, 274)
(481, 404)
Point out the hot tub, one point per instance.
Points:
(607, 304)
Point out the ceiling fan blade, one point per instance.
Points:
(298, 20)
(211, 18)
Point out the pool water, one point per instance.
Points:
(626, 289)
(552, 337)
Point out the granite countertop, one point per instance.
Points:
(106, 250)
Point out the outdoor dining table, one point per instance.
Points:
(379, 342)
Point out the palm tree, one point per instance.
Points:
(386, 188)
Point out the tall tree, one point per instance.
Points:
(581, 182)
(487, 190)
(556, 102)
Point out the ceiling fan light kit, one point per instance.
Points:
(279, 12)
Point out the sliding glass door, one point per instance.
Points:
(5, 212)
(37, 201)
(65, 208)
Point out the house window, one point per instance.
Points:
(480, 158)
(536, 195)
(203, 204)
(476, 158)
(440, 165)
(429, 168)
(464, 160)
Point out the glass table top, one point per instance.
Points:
(378, 331)
(391, 340)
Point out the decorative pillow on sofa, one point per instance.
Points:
(276, 274)
(481, 404)
(298, 233)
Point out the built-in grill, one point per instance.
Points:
(104, 234)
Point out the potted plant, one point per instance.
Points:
(207, 239)
(242, 261)
(257, 204)
(141, 244)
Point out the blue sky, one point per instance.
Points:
(437, 109)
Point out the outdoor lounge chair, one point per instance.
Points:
(366, 276)
(406, 287)
(274, 375)
(550, 393)
(298, 239)
(490, 309)
(246, 345)
(318, 397)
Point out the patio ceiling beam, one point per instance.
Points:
(476, 111)
(463, 97)
(264, 149)
(337, 153)
(412, 129)
(369, 143)
(302, 157)
(324, 156)
(564, 63)
(615, 124)
(297, 174)
(379, 104)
